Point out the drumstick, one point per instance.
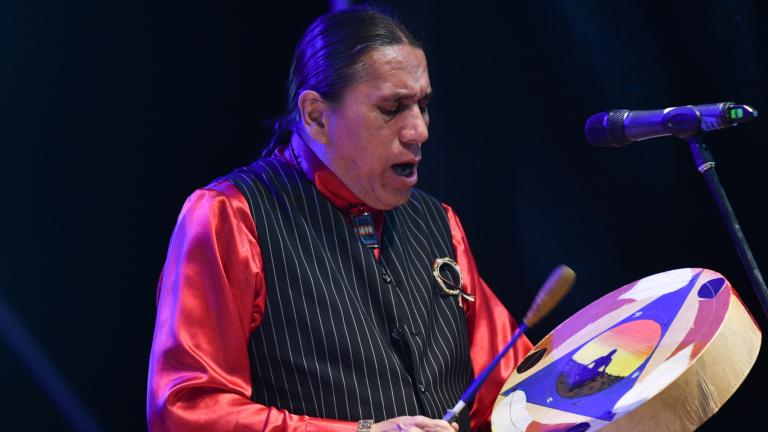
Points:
(555, 287)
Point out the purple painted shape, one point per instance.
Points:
(710, 289)
(541, 387)
(581, 427)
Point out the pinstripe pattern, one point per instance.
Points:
(328, 343)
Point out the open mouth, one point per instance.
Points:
(404, 169)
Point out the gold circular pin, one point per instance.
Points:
(448, 286)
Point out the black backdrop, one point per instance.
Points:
(114, 111)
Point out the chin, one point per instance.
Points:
(396, 200)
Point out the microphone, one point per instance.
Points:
(618, 128)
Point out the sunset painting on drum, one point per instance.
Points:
(608, 358)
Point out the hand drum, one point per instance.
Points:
(660, 354)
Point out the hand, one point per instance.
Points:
(414, 424)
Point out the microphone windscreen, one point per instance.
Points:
(606, 129)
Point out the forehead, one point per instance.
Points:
(396, 71)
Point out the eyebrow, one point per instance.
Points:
(398, 96)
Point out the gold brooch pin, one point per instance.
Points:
(448, 276)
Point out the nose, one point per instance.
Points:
(415, 129)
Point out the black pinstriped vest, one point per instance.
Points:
(345, 336)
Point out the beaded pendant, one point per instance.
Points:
(362, 224)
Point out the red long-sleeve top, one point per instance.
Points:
(212, 294)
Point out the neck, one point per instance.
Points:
(299, 153)
(302, 155)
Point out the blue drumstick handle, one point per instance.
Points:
(469, 394)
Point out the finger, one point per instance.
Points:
(439, 425)
(421, 422)
(455, 426)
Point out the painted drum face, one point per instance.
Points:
(614, 356)
(608, 358)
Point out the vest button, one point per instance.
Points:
(386, 278)
(396, 334)
(422, 388)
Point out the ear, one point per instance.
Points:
(314, 115)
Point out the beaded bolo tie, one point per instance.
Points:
(362, 224)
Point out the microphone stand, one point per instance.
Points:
(705, 163)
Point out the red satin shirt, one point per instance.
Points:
(212, 294)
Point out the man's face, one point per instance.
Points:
(376, 131)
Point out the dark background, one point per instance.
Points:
(114, 111)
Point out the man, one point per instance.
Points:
(300, 292)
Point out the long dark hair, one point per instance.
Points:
(329, 58)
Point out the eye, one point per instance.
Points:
(392, 112)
